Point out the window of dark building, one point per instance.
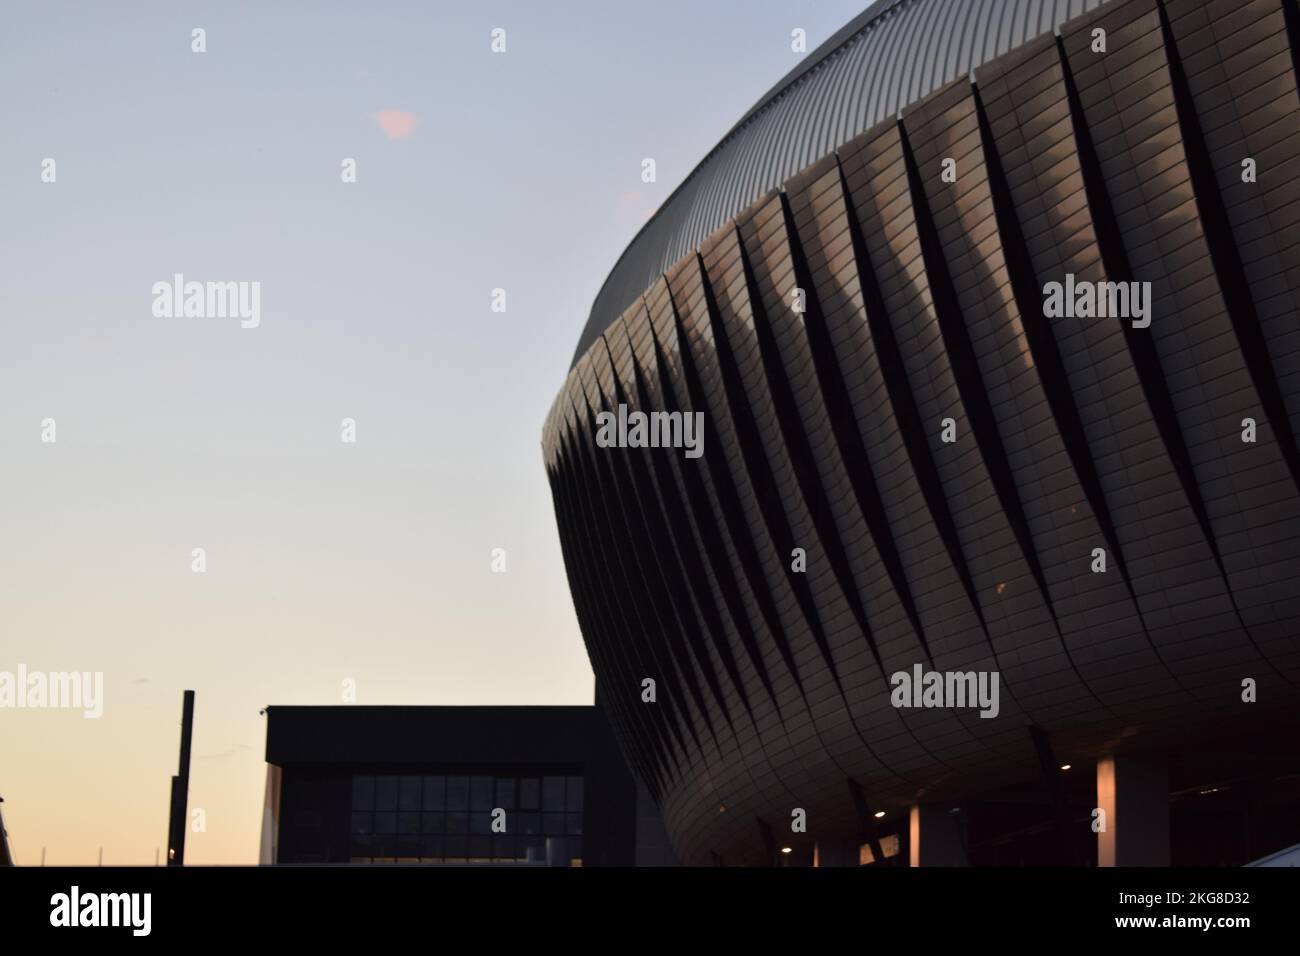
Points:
(458, 793)
(553, 793)
(480, 793)
(448, 818)
(435, 793)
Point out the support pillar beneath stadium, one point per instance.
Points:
(1134, 793)
(934, 837)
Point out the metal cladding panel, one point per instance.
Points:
(923, 303)
(895, 53)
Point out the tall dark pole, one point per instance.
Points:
(181, 788)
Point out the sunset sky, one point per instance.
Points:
(326, 561)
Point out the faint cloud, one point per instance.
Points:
(396, 123)
(222, 755)
(635, 203)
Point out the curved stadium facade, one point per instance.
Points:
(920, 467)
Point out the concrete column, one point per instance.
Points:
(935, 838)
(1134, 793)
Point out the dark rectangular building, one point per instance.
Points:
(452, 785)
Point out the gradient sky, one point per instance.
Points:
(326, 561)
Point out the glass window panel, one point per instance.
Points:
(552, 793)
(525, 822)
(361, 849)
(480, 793)
(408, 823)
(408, 848)
(363, 793)
(573, 823)
(435, 793)
(410, 794)
(480, 849)
(458, 793)
(458, 823)
(506, 793)
(455, 848)
(385, 793)
(532, 848)
(385, 822)
(431, 849)
(503, 847)
(574, 799)
(553, 824)
(530, 790)
(363, 823)
(383, 848)
(431, 822)
(480, 821)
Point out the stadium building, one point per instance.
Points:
(920, 457)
